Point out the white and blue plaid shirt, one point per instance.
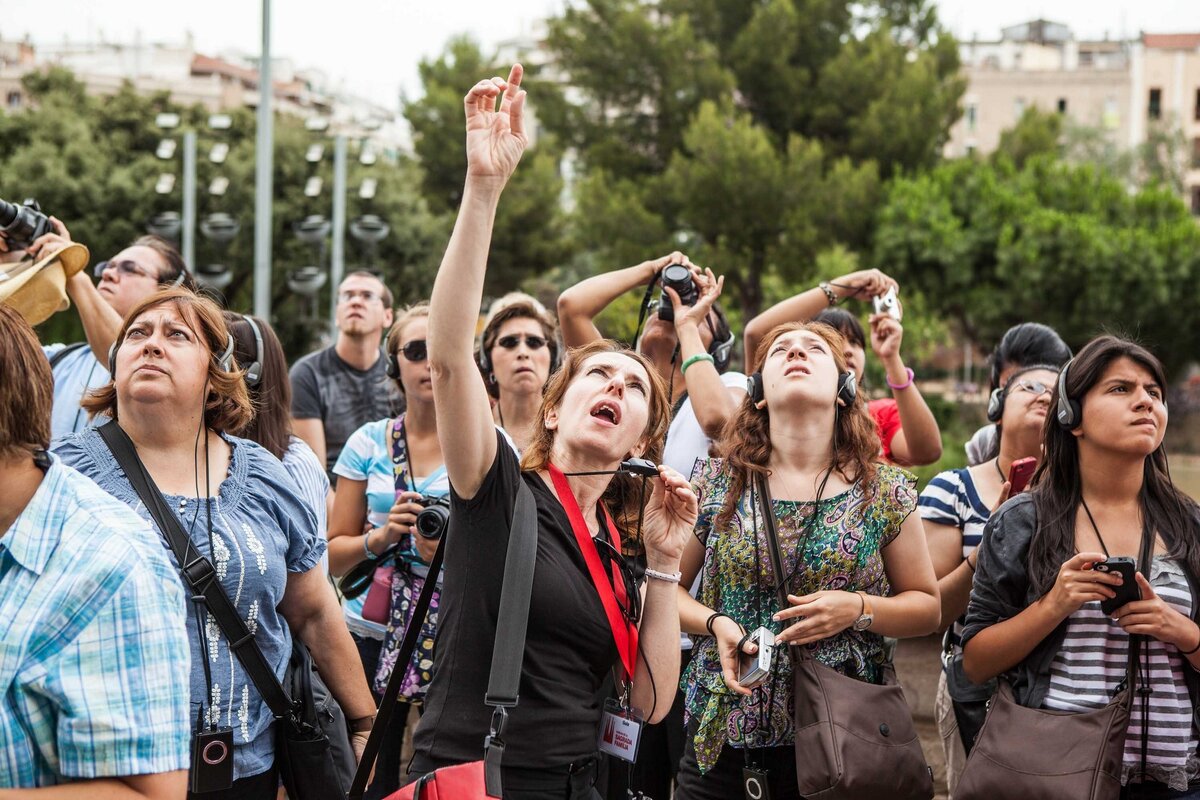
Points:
(94, 657)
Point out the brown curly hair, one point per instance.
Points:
(227, 408)
(623, 495)
(745, 443)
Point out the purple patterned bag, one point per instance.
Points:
(406, 588)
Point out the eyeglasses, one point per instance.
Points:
(1033, 387)
(632, 608)
(366, 295)
(126, 268)
(416, 350)
(511, 342)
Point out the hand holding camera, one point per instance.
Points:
(692, 305)
(402, 517)
(729, 635)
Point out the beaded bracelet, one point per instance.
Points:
(898, 386)
(830, 295)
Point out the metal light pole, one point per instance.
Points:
(189, 199)
(337, 260)
(264, 161)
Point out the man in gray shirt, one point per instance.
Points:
(337, 390)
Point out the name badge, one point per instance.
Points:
(620, 731)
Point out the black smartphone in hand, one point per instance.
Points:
(1128, 591)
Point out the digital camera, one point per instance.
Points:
(679, 278)
(756, 668)
(434, 517)
(23, 224)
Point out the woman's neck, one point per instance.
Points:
(161, 428)
(518, 412)
(1016, 445)
(1109, 479)
(587, 489)
(801, 443)
(420, 419)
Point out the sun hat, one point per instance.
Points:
(38, 289)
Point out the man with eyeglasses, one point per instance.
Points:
(337, 390)
(150, 263)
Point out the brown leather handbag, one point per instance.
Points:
(1023, 753)
(854, 740)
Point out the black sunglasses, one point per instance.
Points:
(415, 350)
(511, 342)
(632, 608)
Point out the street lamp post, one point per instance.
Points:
(263, 188)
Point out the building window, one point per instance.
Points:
(14, 99)
(972, 116)
(1197, 112)
(1196, 153)
(1018, 107)
(1196, 200)
(1155, 109)
(970, 151)
(1062, 105)
(1112, 114)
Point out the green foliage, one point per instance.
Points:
(530, 224)
(990, 245)
(90, 162)
(1036, 133)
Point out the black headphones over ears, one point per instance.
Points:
(995, 406)
(393, 365)
(847, 390)
(224, 361)
(254, 371)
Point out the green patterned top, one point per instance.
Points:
(842, 552)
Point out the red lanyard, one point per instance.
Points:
(624, 633)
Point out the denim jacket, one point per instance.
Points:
(1002, 590)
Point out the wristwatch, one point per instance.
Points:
(866, 617)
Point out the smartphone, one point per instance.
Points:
(1019, 473)
(1128, 591)
(888, 304)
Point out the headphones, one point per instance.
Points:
(722, 352)
(254, 371)
(847, 390)
(224, 361)
(1069, 413)
(393, 365)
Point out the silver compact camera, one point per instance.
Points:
(888, 303)
(756, 668)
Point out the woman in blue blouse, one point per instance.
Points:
(174, 399)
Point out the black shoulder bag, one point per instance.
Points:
(313, 751)
(478, 779)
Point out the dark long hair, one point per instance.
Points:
(271, 426)
(1168, 512)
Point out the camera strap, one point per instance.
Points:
(609, 586)
(198, 572)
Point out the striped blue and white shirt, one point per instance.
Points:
(952, 499)
(94, 657)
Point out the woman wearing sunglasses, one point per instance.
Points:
(955, 506)
(386, 470)
(605, 405)
(517, 353)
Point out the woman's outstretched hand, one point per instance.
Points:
(495, 139)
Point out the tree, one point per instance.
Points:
(90, 162)
(529, 234)
(1036, 133)
(991, 245)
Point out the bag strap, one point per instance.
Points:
(764, 502)
(1138, 641)
(508, 650)
(64, 352)
(198, 572)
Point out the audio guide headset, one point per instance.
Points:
(1069, 412)
(847, 389)
(254, 371)
(995, 406)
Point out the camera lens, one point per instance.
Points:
(431, 522)
(8, 213)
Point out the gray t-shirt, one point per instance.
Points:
(344, 398)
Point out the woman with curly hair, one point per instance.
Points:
(853, 553)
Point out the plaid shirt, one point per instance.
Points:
(94, 658)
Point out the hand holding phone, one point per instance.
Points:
(1019, 473)
(1128, 591)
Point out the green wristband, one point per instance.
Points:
(698, 357)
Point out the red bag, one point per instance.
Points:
(460, 782)
(378, 605)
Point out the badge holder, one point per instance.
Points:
(620, 731)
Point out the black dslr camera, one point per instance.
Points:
(679, 278)
(433, 518)
(23, 224)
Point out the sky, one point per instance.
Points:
(372, 47)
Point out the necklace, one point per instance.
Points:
(999, 471)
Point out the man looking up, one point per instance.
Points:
(337, 390)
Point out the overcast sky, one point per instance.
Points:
(373, 46)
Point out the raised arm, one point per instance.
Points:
(806, 305)
(495, 142)
(919, 441)
(580, 304)
(712, 401)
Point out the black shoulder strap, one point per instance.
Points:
(64, 352)
(198, 573)
(508, 650)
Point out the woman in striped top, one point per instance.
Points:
(1034, 612)
(955, 506)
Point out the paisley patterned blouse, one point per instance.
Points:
(841, 552)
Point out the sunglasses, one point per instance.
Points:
(631, 609)
(532, 342)
(415, 350)
(1033, 387)
(126, 268)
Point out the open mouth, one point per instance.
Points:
(607, 411)
(797, 368)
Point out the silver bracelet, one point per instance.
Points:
(367, 546)
(666, 577)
